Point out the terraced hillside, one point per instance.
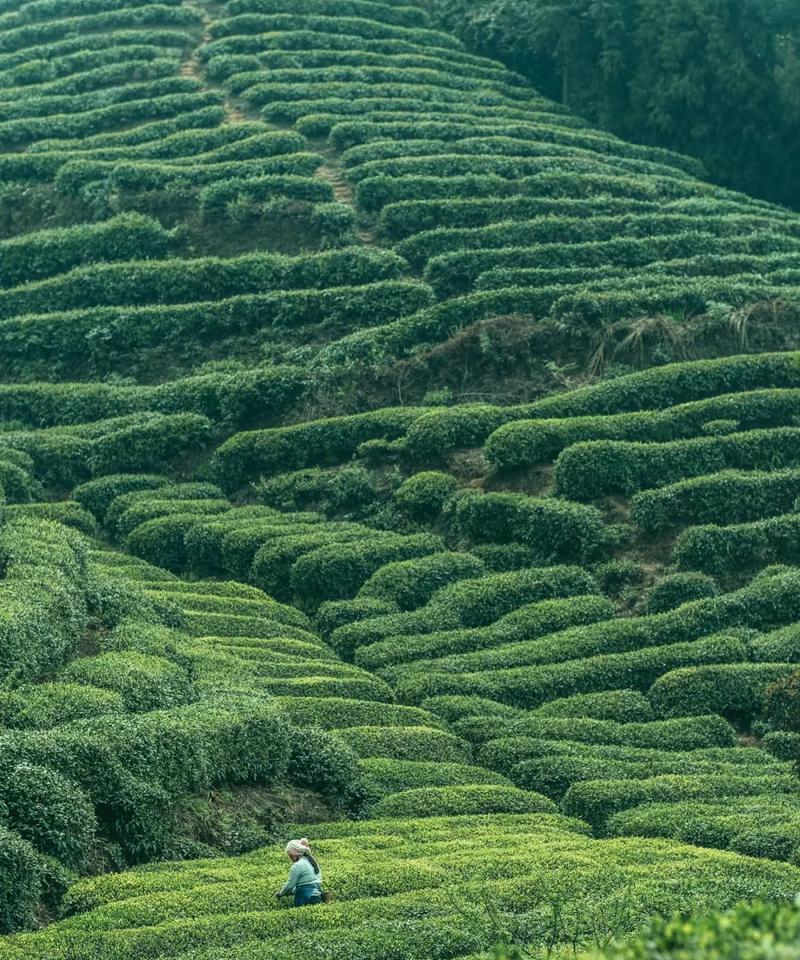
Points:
(386, 456)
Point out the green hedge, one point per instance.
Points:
(44, 253)
(469, 603)
(599, 468)
(51, 813)
(755, 928)
(424, 495)
(777, 646)
(674, 735)
(144, 682)
(246, 456)
(558, 531)
(40, 706)
(406, 743)
(20, 881)
(677, 588)
(98, 495)
(339, 570)
(731, 496)
(530, 686)
(273, 564)
(597, 800)
(384, 777)
(456, 801)
(736, 690)
(337, 713)
(527, 622)
(408, 584)
(139, 282)
(158, 440)
(43, 597)
(333, 614)
(622, 706)
(529, 442)
(762, 603)
(738, 547)
(128, 502)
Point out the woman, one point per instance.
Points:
(305, 877)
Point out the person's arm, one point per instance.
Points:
(291, 882)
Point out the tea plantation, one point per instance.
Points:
(390, 458)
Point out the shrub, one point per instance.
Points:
(64, 511)
(333, 614)
(406, 743)
(677, 588)
(20, 881)
(749, 929)
(678, 734)
(456, 707)
(49, 812)
(730, 496)
(98, 495)
(555, 529)
(43, 705)
(46, 252)
(521, 625)
(323, 762)
(597, 800)
(247, 456)
(338, 713)
(144, 682)
(384, 776)
(782, 702)
(622, 706)
(43, 601)
(468, 603)
(425, 494)
(615, 576)
(715, 549)
(337, 571)
(736, 690)
(409, 584)
(783, 744)
(596, 468)
(457, 801)
(529, 687)
(158, 440)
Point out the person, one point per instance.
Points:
(305, 876)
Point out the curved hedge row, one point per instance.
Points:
(469, 603)
(527, 622)
(529, 442)
(733, 548)
(595, 468)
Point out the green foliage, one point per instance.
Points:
(411, 583)
(556, 530)
(49, 252)
(43, 705)
(677, 588)
(425, 494)
(782, 702)
(735, 689)
(50, 812)
(748, 931)
(455, 801)
(144, 682)
(20, 872)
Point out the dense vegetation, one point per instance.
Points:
(714, 78)
(386, 455)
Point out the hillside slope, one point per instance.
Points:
(298, 528)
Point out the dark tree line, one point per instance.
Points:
(717, 79)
